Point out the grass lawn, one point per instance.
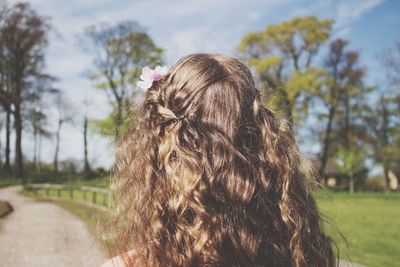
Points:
(369, 221)
(7, 181)
(98, 182)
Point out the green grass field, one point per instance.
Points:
(7, 181)
(369, 221)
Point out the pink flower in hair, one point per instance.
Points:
(149, 76)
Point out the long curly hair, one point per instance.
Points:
(210, 177)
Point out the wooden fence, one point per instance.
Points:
(89, 195)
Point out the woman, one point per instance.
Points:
(210, 177)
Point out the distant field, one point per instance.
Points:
(6, 181)
(369, 221)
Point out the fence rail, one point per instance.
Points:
(93, 195)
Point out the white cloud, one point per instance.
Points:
(349, 11)
(343, 32)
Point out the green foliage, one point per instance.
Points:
(266, 64)
(120, 52)
(350, 161)
(306, 83)
(383, 124)
(282, 55)
(106, 126)
(309, 31)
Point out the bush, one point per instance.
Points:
(375, 184)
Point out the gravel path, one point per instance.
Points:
(43, 234)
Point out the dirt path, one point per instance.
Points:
(43, 234)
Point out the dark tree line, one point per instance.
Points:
(29, 100)
(23, 39)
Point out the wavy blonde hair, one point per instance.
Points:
(210, 177)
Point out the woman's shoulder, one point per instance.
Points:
(118, 260)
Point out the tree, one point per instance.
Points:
(329, 94)
(120, 51)
(64, 115)
(36, 114)
(1, 156)
(23, 38)
(344, 95)
(37, 118)
(5, 93)
(385, 134)
(350, 160)
(282, 55)
(352, 99)
(87, 169)
(390, 59)
(6, 104)
(387, 137)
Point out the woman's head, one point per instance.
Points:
(210, 177)
(213, 88)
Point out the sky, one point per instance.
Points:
(182, 27)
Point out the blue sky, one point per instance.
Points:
(183, 27)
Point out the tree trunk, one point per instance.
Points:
(387, 179)
(35, 144)
(351, 184)
(39, 153)
(347, 122)
(326, 145)
(55, 163)
(118, 120)
(87, 169)
(7, 165)
(19, 169)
